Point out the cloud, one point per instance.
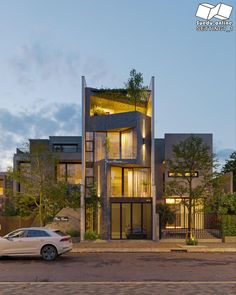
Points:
(40, 62)
(51, 119)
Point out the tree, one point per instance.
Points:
(135, 87)
(40, 193)
(93, 203)
(191, 159)
(166, 214)
(230, 166)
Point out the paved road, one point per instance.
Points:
(130, 288)
(122, 273)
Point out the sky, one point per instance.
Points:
(46, 46)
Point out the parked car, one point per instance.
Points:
(35, 241)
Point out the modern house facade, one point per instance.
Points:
(164, 152)
(119, 159)
(67, 150)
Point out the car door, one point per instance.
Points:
(36, 238)
(14, 243)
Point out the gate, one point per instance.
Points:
(205, 226)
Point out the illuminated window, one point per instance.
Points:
(113, 145)
(180, 174)
(89, 136)
(1, 187)
(136, 182)
(116, 181)
(100, 140)
(128, 144)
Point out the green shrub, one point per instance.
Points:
(73, 233)
(191, 242)
(227, 204)
(228, 225)
(90, 235)
(166, 214)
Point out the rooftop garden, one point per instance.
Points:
(134, 97)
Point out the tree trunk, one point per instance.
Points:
(190, 224)
(40, 209)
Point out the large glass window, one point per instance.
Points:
(120, 145)
(115, 221)
(100, 140)
(136, 182)
(65, 148)
(116, 181)
(128, 144)
(1, 187)
(113, 145)
(128, 182)
(131, 220)
(69, 172)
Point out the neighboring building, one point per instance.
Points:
(66, 148)
(164, 147)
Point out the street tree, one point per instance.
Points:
(191, 160)
(230, 166)
(40, 193)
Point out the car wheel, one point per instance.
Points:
(49, 252)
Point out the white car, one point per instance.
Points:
(35, 241)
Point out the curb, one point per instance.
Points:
(185, 249)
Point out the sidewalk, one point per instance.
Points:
(144, 246)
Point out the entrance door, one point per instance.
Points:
(131, 221)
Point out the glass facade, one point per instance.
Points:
(113, 145)
(100, 140)
(130, 182)
(69, 172)
(131, 220)
(128, 144)
(119, 145)
(116, 182)
(115, 221)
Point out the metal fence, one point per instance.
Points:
(205, 226)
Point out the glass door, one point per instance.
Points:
(131, 221)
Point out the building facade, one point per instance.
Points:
(118, 158)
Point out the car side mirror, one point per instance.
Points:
(9, 238)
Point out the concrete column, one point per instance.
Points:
(82, 197)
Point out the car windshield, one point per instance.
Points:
(16, 234)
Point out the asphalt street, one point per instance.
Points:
(122, 273)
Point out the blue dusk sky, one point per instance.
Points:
(47, 45)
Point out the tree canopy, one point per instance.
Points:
(39, 192)
(192, 168)
(230, 166)
(136, 90)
